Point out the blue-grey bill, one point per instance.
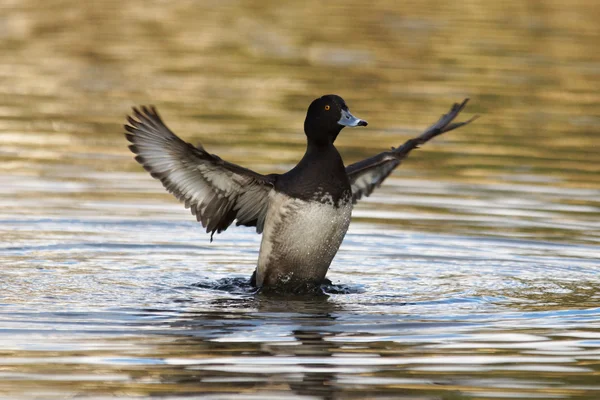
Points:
(348, 119)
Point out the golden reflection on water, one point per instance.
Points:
(238, 76)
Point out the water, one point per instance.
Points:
(471, 274)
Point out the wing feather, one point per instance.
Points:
(216, 192)
(368, 174)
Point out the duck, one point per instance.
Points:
(303, 214)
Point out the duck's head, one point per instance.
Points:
(326, 117)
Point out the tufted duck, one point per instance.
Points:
(303, 214)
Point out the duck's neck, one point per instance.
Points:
(321, 170)
(318, 137)
(324, 158)
(319, 149)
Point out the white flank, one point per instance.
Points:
(300, 238)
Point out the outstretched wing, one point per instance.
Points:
(217, 192)
(368, 174)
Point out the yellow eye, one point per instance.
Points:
(327, 107)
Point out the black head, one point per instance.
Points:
(326, 117)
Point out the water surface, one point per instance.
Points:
(471, 274)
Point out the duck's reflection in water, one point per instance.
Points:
(319, 383)
(252, 328)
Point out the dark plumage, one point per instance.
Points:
(217, 192)
(303, 213)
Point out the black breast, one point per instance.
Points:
(319, 176)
